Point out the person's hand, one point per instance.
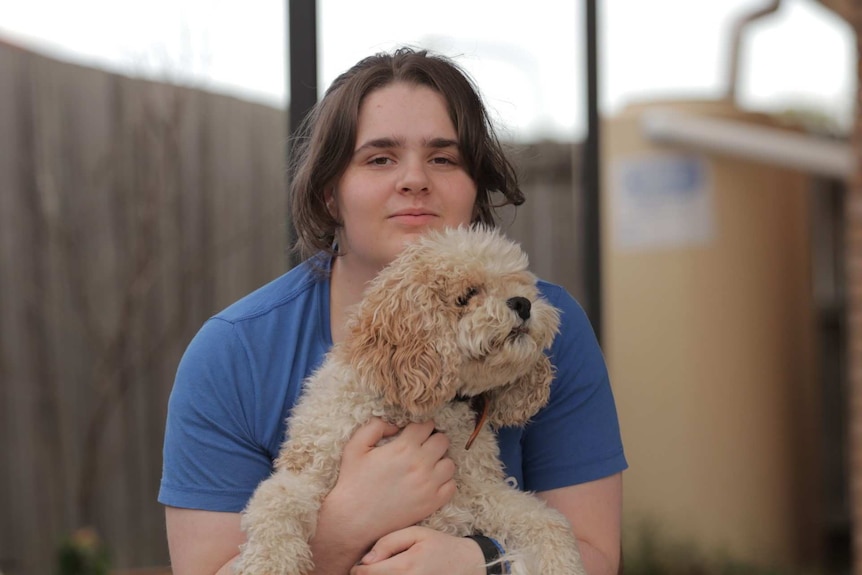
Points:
(421, 551)
(381, 489)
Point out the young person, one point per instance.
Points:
(400, 144)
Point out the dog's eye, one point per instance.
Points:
(465, 299)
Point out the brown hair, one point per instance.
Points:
(327, 137)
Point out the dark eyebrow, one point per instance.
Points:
(385, 143)
(378, 143)
(441, 143)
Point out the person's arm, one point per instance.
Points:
(207, 543)
(594, 510)
(202, 542)
(575, 441)
(422, 551)
(379, 490)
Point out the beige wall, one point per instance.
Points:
(709, 343)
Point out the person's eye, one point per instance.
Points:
(380, 161)
(443, 161)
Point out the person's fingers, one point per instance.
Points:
(421, 438)
(391, 544)
(417, 433)
(443, 471)
(370, 434)
(421, 551)
(436, 446)
(447, 491)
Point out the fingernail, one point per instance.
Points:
(369, 557)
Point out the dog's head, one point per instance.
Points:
(456, 314)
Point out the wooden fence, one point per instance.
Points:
(130, 211)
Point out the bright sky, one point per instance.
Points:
(527, 57)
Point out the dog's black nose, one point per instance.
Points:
(521, 305)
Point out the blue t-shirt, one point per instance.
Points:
(243, 372)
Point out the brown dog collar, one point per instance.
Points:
(479, 405)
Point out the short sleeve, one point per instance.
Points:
(211, 458)
(576, 437)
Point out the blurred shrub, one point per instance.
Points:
(83, 553)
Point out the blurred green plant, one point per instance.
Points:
(83, 553)
(812, 120)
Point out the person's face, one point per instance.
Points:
(406, 176)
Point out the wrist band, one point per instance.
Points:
(493, 552)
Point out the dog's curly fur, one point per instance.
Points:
(438, 323)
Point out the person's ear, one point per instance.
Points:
(331, 203)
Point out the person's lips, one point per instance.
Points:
(413, 216)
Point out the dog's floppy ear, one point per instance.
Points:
(517, 402)
(399, 347)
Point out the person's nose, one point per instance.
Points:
(413, 177)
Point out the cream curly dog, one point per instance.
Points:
(456, 315)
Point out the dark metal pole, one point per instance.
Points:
(302, 59)
(591, 181)
(302, 72)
